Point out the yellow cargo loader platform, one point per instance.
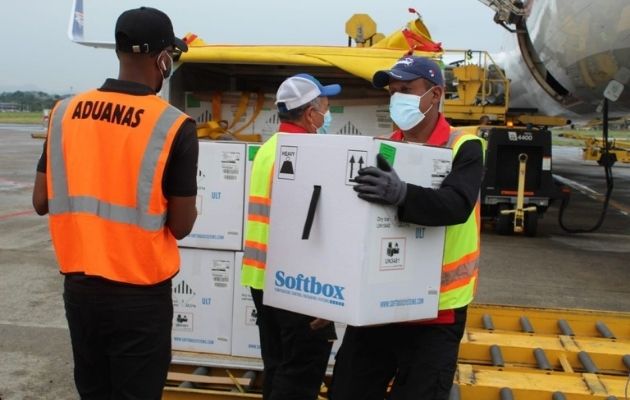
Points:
(506, 353)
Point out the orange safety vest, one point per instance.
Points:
(106, 155)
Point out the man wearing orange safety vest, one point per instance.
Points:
(420, 356)
(118, 180)
(295, 348)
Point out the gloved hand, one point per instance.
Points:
(380, 185)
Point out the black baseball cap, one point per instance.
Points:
(409, 68)
(146, 30)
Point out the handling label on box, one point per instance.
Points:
(356, 160)
(183, 322)
(392, 254)
(221, 273)
(250, 315)
(230, 165)
(288, 158)
(441, 168)
(182, 294)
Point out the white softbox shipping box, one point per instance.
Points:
(335, 256)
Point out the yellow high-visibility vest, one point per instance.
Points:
(257, 231)
(460, 267)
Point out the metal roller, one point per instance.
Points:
(541, 359)
(497, 356)
(565, 328)
(587, 362)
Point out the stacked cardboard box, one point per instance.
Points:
(204, 288)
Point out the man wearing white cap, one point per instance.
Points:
(295, 347)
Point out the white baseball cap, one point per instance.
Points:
(300, 89)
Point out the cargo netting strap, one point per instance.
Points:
(216, 106)
(260, 101)
(241, 109)
(311, 212)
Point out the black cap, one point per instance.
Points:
(145, 30)
(409, 68)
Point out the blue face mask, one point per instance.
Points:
(327, 121)
(404, 109)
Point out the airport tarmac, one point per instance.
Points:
(554, 269)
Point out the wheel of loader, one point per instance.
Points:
(505, 223)
(531, 223)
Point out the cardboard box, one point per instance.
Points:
(355, 117)
(220, 197)
(202, 301)
(359, 265)
(245, 337)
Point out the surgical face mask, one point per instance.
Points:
(404, 109)
(327, 121)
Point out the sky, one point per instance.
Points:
(37, 54)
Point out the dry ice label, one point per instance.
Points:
(392, 254)
(288, 159)
(183, 321)
(250, 315)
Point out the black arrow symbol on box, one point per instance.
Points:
(361, 162)
(352, 166)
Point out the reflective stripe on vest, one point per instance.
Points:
(104, 176)
(257, 230)
(460, 267)
(62, 202)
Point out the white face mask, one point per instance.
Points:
(161, 64)
(404, 109)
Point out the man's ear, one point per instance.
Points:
(438, 91)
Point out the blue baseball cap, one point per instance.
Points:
(410, 68)
(327, 91)
(300, 89)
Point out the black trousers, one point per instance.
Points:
(420, 358)
(121, 342)
(295, 356)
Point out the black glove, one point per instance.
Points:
(380, 185)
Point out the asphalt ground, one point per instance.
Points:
(554, 269)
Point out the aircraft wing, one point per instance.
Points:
(361, 62)
(75, 28)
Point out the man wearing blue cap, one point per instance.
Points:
(295, 348)
(419, 356)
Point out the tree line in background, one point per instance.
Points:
(28, 101)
